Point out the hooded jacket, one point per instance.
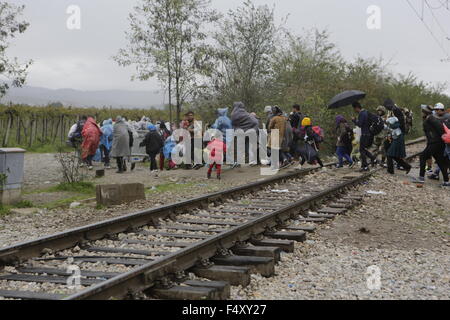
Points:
(121, 140)
(153, 142)
(107, 136)
(91, 138)
(223, 123)
(241, 119)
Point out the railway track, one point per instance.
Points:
(222, 237)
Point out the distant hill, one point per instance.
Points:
(37, 96)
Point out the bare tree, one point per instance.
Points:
(246, 42)
(167, 40)
(11, 71)
(70, 168)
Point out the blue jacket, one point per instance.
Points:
(223, 123)
(169, 145)
(107, 136)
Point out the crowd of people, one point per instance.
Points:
(369, 138)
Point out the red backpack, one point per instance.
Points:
(319, 131)
(446, 135)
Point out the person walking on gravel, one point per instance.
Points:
(379, 141)
(344, 141)
(91, 139)
(165, 133)
(444, 118)
(366, 136)
(435, 148)
(190, 124)
(395, 111)
(278, 122)
(241, 119)
(153, 144)
(215, 149)
(106, 142)
(396, 146)
(121, 143)
(75, 137)
(309, 147)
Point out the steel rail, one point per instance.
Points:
(22, 251)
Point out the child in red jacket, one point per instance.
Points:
(216, 148)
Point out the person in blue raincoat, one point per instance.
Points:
(106, 142)
(169, 145)
(223, 123)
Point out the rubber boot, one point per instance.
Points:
(119, 166)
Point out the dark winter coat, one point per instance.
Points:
(363, 122)
(153, 143)
(433, 129)
(398, 113)
(397, 147)
(341, 131)
(241, 119)
(296, 119)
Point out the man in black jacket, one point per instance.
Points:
(434, 130)
(296, 117)
(367, 138)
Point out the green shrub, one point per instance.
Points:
(24, 204)
(78, 187)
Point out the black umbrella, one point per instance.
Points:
(346, 98)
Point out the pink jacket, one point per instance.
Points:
(216, 148)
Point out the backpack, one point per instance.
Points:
(319, 131)
(376, 124)
(409, 120)
(348, 136)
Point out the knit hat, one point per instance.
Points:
(151, 127)
(306, 122)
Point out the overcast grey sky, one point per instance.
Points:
(81, 59)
